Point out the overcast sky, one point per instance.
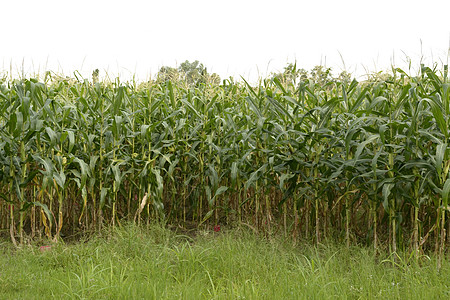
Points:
(232, 38)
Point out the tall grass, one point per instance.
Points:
(236, 264)
(309, 156)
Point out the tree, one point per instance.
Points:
(168, 73)
(193, 73)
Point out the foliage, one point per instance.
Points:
(192, 73)
(313, 156)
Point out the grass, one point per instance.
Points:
(156, 263)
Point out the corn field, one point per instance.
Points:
(366, 162)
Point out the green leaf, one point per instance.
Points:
(71, 141)
(47, 163)
(206, 217)
(279, 85)
(219, 191)
(85, 172)
(19, 124)
(159, 181)
(255, 176)
(29, 178)
(103, 194)
(362, 145)
(283, 178)
(47, 212)
(3, 196)
(63, 136)
(386, 192)
(144, 130)
(60, 178)
(116, 127)
(208, 194)
(437, 110)
(171, 95)
(278, 107)
(191, 108)
(213, 176)
(234, 173)
(117, 176)
(52, 135)
(440, 153)
(445, 193)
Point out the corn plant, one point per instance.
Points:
(307, 154)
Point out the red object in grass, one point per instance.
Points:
(217, 228)
(45, 248)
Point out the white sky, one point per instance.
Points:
(232, 38)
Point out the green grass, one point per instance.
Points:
(134, 263)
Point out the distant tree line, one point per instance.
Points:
(193, 73)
